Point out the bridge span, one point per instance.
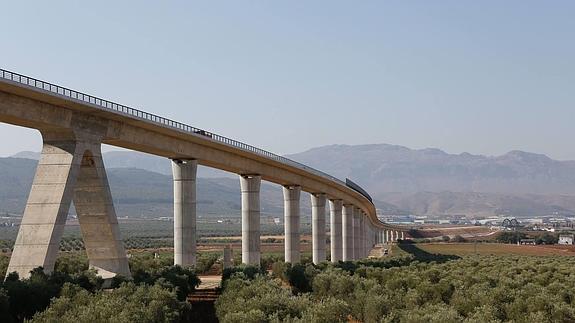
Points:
(74, 125)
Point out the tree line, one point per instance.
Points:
(156, 292)
(405, 289)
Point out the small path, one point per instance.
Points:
(203, 299)
(210, 282)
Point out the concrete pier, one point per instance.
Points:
(291, 223)
(228, 257)
(70, 168)
(97, 217)
(184, 177)
(356, 233)
(362, 235)
(335, 207)
(318, 227)
(347, 231)
(250, 186)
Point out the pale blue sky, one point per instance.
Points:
(479, 76)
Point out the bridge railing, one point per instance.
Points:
(150, 117)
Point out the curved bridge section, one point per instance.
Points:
(73, 127)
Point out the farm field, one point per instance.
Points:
(451, 231)
(462, 249)
(144, 234)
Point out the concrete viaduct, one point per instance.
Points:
(75, 125)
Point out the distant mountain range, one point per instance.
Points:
(139, 192)
(387, 168)
(401, 180)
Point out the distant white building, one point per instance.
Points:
(566, 239)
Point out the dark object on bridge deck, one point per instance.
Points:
(357, 188)
(203, 133)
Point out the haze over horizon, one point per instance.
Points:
(484, 78)
(108, 148)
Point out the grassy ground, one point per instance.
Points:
(462, 249)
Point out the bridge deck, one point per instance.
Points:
(21, 104)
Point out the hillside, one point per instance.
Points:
(138, 192)
(401, 180)
(387, 168)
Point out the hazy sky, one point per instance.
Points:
(479, 76)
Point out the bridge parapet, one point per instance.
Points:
(33, 103)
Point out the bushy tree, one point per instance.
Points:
(511, 236)
(547, 238)
(261, 294)
(183, 279)
(471, 289)
(244, 271)
(205, 261)
(128, 303)
(458, 238)
(300, 277)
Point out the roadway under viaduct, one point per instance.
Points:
(74, 125)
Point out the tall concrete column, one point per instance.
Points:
(335, 207)
(291, 223)
(356, 234)
(362, 235)
(228, 257)
(387, 236)
(347, 231)
(184, 177)
(370, 237)
(318, 227)
(250, 186)
(367, 236)
(70, 168)
(402, 235)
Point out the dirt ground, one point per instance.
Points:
(451, 231)
(462, 249)
(210, 281)
(263, 237)
(237, 247)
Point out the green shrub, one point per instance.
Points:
(242, 297)
(183, 279)
(205, 261)
(129, 303)
(404, 289)
(245, 271)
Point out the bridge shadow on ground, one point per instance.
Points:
(424, 256)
